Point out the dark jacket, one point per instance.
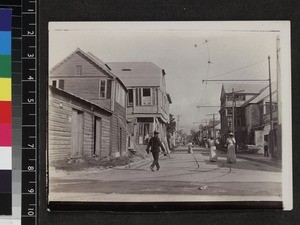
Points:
(155, 143)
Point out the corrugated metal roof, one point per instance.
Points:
(248, 88)
(134, 74)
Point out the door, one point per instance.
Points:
(98, 135)
(76, 134)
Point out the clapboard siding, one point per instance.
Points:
(68, 67)
(61, 105)
(86, 86)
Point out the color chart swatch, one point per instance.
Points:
(5, 113)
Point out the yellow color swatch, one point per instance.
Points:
(5, 89)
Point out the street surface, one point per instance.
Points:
(183, 176)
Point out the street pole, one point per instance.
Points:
(271, 141)
(233, 112)
(214, 129)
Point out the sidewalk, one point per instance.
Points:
(260, 159)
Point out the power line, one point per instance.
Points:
(244, 67)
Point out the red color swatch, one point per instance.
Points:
(5, 112)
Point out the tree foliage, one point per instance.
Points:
(171, 126)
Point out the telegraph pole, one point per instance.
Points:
(214, 129)
(178, 118)
(271, 134)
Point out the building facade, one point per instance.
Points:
(76, 127)
(242, 93)
(258, 120)
(148, 101)
(87, 77)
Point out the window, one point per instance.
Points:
(146, 98)
(58, 84)
(54, 83)
(78, 71)
(229, 97)
(61, 84)
(229, 112)
(130, 97)
(267, 107)
(102, 89)
(240, 97)
(238, 122)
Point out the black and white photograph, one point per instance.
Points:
(169, 112)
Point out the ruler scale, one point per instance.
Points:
(29, 113)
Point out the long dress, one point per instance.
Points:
(190, 148)
(231, 157)
(213, 151)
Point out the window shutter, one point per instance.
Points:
(108, 89)
(140, 96)
(153, 96)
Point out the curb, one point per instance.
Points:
(270, 163)
(142, 162)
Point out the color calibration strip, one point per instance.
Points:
(5, 113)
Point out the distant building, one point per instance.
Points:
(148, 100)
(214, 127)
(87, 77)
(244, 92)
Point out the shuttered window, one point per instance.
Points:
(108, 91)
(130, 97)
(102, 89)
(138, 96)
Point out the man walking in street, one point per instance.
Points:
(155, 143)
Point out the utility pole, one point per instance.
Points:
(233, 102)
(178, 118)
(214, 129)
(271, 134)
(177, 125)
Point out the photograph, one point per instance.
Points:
(169, 112)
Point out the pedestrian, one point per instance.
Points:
(266, 148)
(155, 144)
(230, 142)
(190, 147)
(213, 149)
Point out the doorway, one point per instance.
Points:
(77, 134)
(97, 135)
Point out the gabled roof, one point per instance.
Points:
(264, 94)
(94, 60)
(135, 74)
(248, 88)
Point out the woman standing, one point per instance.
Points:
(231, 157)
(190, 147)
(213, 149)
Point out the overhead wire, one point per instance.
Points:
(241, 68)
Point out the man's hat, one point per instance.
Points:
(156, 132)
(231, 134)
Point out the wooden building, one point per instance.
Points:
(148, 101)
(257, 116)
(77, 128)
(88, 78)
(243, 93)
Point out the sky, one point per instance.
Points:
(189, 52)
